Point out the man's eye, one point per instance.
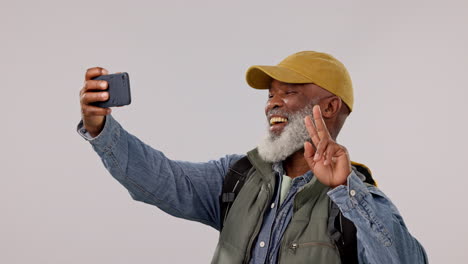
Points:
(270, 96)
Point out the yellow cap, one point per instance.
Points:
(306, 67)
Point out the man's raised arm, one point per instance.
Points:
(184, 189)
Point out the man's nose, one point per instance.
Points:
(273, 103)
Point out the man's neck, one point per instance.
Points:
(295, 165)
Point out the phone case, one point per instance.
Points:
(118, 88)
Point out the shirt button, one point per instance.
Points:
(262, 244)
(352, 192)
(272, 205)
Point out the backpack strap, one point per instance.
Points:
(342, 230)
(233, 182)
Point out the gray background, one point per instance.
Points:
(187, 60)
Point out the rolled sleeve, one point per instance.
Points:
(106, 139)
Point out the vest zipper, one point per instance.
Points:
(257, 227)
(295, 246)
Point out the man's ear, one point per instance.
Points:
(331, 106)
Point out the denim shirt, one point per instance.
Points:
(276, 219)
(191, 190)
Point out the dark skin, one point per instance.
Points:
(329, 161)
(92, 91)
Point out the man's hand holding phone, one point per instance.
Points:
(93, 91)
(101, 91)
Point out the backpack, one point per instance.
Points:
(341, 230)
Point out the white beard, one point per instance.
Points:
(275, 148)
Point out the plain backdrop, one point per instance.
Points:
(187, 62)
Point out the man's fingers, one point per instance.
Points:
(95, 72)
(95, 85)
(90, 97)
(329, 154)
(321, 148)
(308, 150)
(90, 110)
(333, 151)
(309, 154)
(320, 123)
(312, 130)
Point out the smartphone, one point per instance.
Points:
(118, 89)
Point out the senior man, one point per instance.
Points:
(296, 198)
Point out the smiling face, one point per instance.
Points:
(285, 99)
(287, 106)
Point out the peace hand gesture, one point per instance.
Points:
(330, 161)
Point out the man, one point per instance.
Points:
(294, 177)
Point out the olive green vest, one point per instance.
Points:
(305, 240)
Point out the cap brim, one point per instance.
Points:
(260, 77)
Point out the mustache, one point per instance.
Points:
(306, 111)
(277, 112)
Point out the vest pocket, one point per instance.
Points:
(294, 246)
(318, 252)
